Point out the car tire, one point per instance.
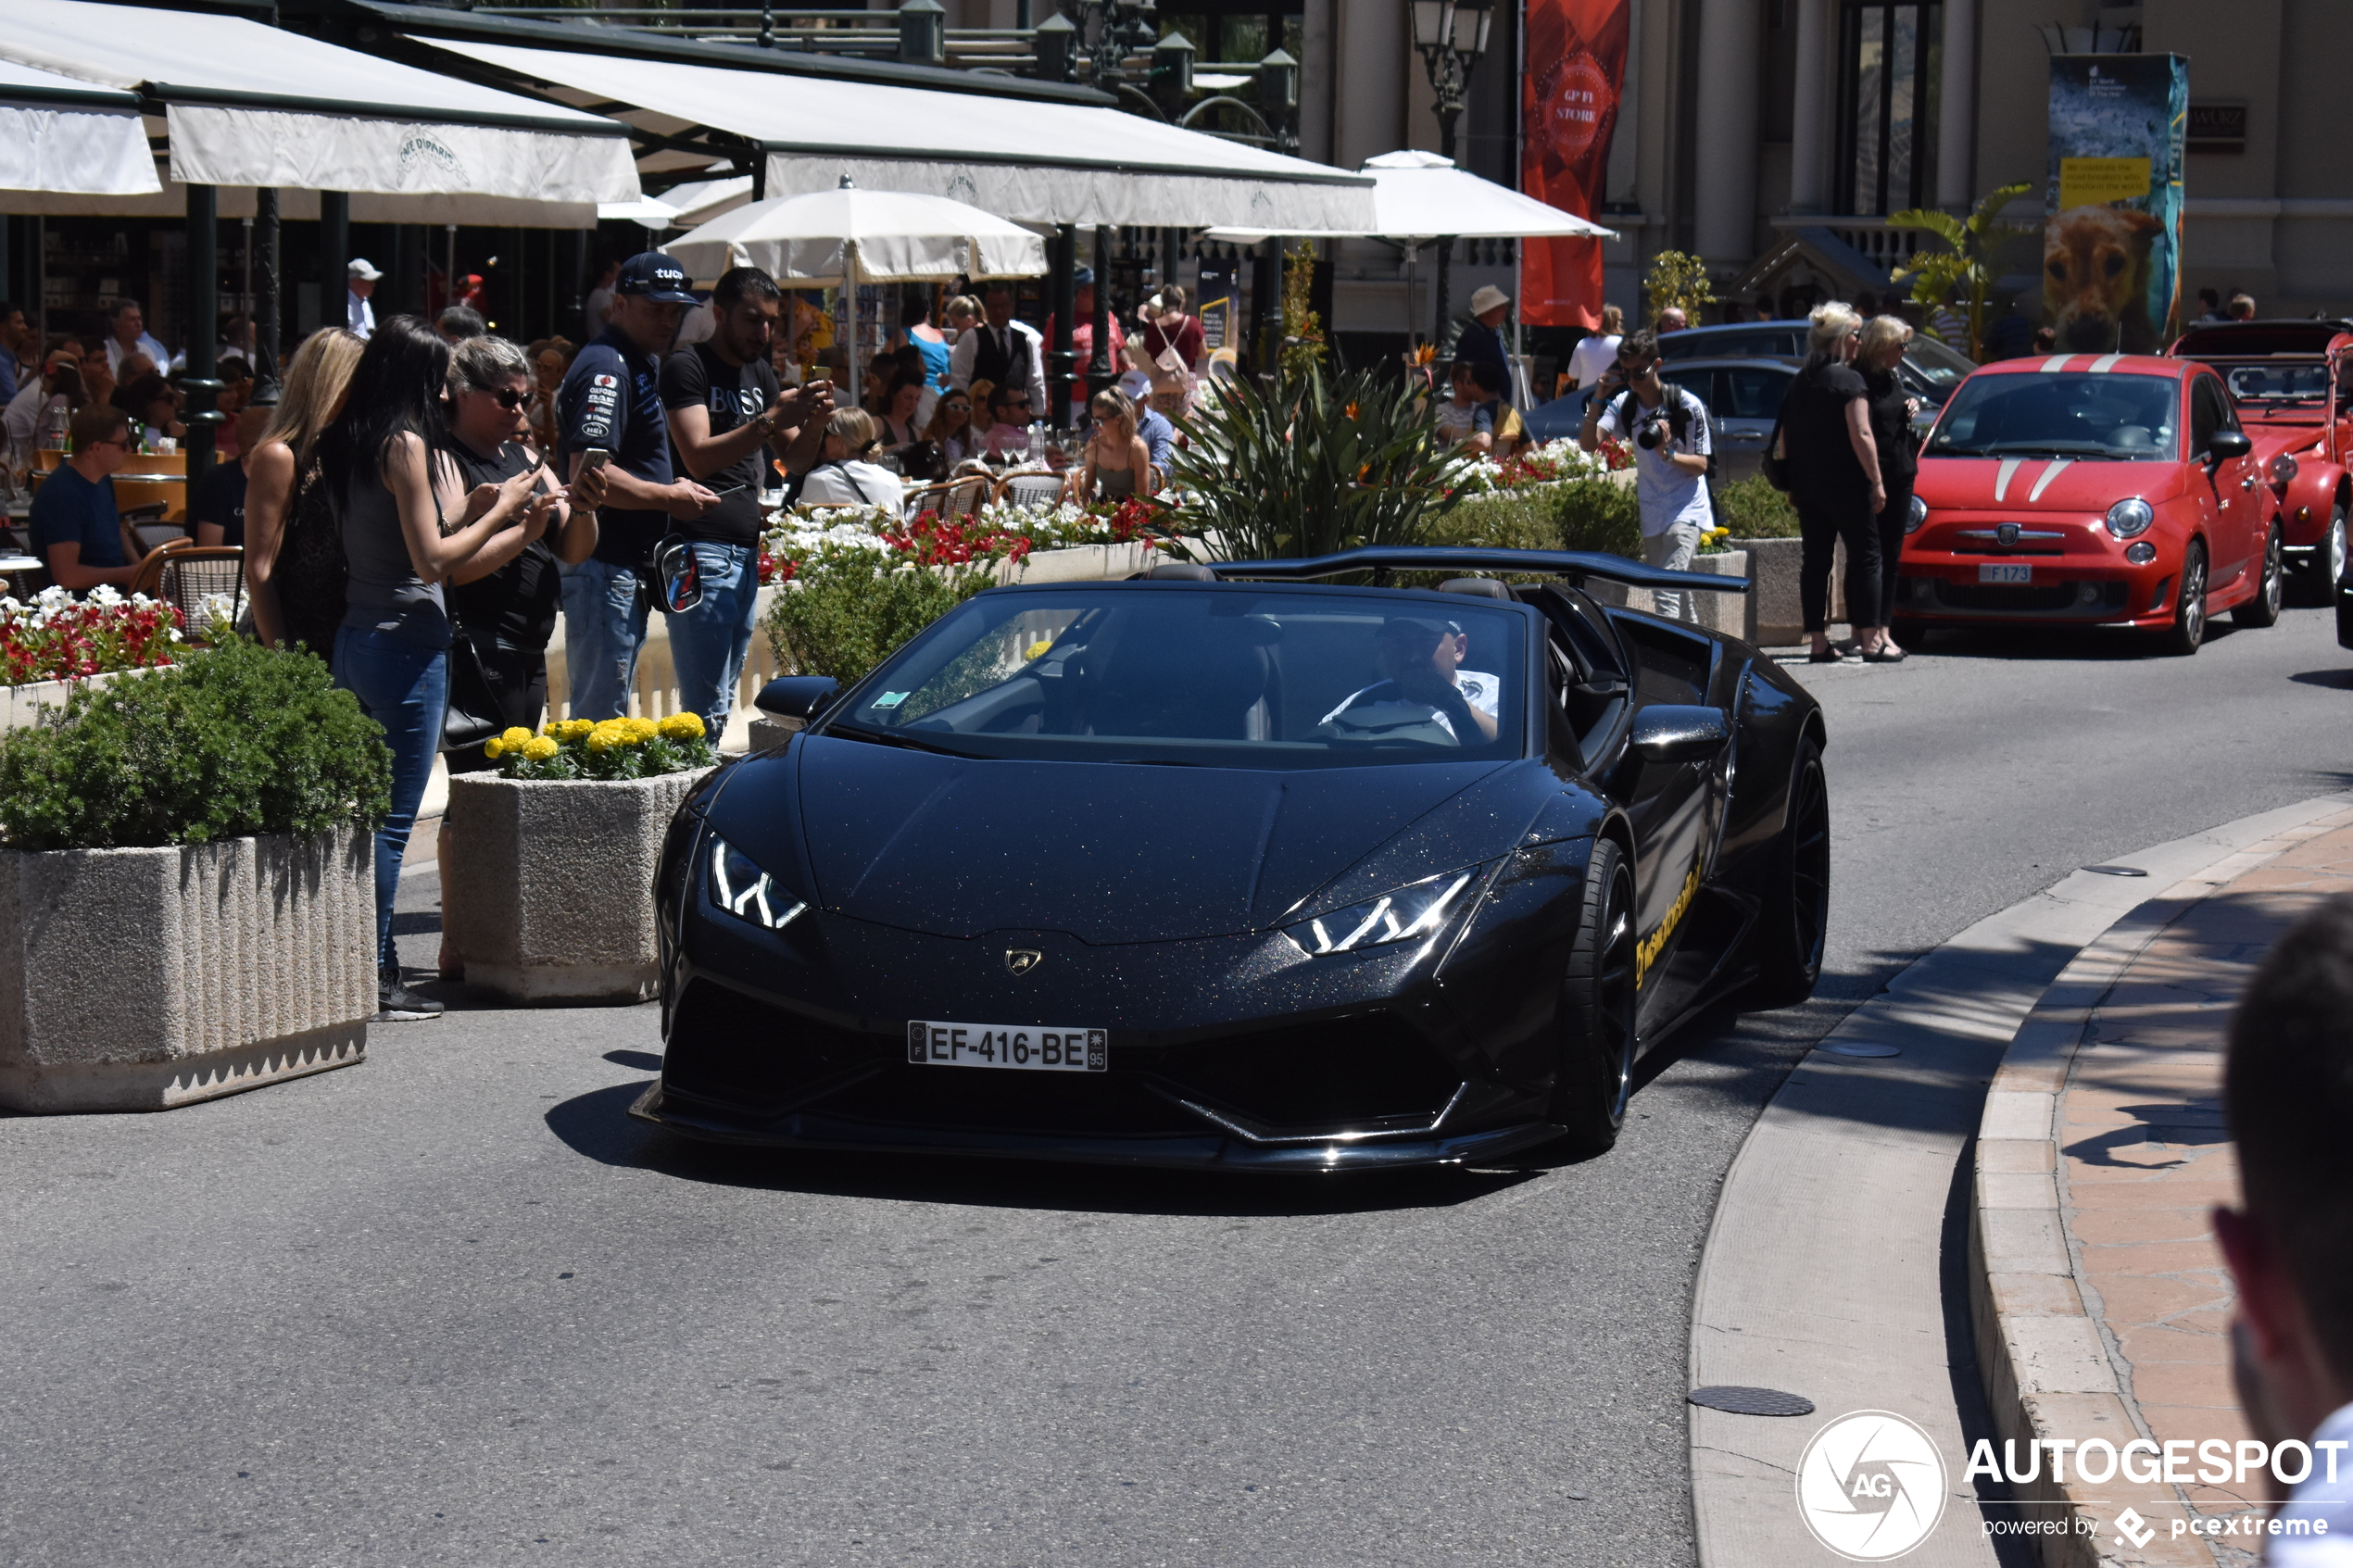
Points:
(2263, 609)
(2182, 639)
(2322, 575)
(1793, 921)
(1597, 1010)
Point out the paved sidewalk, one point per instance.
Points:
(2144, 1156)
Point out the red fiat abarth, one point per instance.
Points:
(2081, 490)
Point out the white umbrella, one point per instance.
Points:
(651, 212)
(702, 200)
(1422, 197)
(849, 236)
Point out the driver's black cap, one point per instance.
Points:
(656, 276)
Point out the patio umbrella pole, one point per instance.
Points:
(849, 309)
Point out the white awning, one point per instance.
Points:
(58, 133)
(302, 207)
(1422, 197)
(250, 104)
(1020, 158)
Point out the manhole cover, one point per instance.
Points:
(1752, 1401)
(1858, 1047)
(2117, 871)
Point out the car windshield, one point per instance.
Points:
(2080, 415)
(1937, 366)
(1214, 676)
(2278, 384)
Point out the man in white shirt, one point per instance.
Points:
(2287, 1090)
(1667, 428)
(1422, 660)
(359, 282)
(127, 335)
(1001, 351)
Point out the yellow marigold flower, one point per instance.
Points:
(515, 736)
(538, 749)
(601, 741)
(683, 726)
(492, 747)
(644, 729)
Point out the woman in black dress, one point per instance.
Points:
(1879, 356)
(1835, 483)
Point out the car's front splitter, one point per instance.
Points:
(681, 1114)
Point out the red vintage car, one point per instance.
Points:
(2289, 379)
(2090, 490)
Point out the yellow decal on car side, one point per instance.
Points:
(1656, 942)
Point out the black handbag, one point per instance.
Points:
(475, 713)
(1776, 461)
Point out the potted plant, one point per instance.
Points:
(187, 884)
(546, 890)
(53, 640)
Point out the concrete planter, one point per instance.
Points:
(20, 706)
(142, 979)
(1717, 612)
(1776, 566)
(547, 888)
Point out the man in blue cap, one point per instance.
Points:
(611, 400)
(1082, 339)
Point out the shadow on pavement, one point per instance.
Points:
(597, 1125)
(2340, 680)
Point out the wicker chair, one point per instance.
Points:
(184, 575)
(968, 494)
(1030, 489)
(931, 498)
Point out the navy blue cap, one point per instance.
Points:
(1083, 278)
(656, 277)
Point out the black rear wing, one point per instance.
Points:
(1574, 565)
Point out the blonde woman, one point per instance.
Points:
(295, 569)
(846, 471)
(1877, 354)
(951, 429)
(1118, 463)
(1835, 483)
(1597, 352)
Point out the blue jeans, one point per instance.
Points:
(403, 685)
(709, 643)
(604, 627)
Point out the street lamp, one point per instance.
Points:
(1451, 36)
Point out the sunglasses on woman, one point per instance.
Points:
(508, 397)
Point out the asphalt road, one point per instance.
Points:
(452, 1307)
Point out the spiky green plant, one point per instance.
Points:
(1310, 466)
(1965, 268)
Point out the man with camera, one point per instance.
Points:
(1671, 444)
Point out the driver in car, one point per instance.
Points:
(1422, 660)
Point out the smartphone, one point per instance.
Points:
(722, 491)
(594, 458)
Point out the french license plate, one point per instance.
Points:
(1990, 571)
(1025, 1048)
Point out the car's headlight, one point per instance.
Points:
(745, 891)
(2283, 468)
(1915, 515)
(1411, 912)
(2130, 516)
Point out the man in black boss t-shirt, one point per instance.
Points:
(725, 410)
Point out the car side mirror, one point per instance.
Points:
(2225, 445)
(797, 697)
(1673, 734)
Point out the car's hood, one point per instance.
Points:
(2041, 484)
(2284, 434)
(1107, 852)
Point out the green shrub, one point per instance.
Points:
(236, 741)
(1583, 515)
(1602, 516)
(1751, 508)
(845, 611)
(1310, 467)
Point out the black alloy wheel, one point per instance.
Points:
(2263, 609)
(2181, 638)
(1596, 1075)
(1793, 923)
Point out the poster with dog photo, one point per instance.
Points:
(2112, 236)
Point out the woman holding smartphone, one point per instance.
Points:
(408, 524)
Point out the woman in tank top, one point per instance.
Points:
(408, 524)
(294, 550)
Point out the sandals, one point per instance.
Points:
(1884, 654)
(1827, 655)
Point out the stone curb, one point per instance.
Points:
(1823, 1271)
(2044, 1363)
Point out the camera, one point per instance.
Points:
(1654, 433)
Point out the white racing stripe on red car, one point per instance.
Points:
(2055, 363)
(2002, 480)
(2057, 466)
(2104, 364)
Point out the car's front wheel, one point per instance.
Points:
(2327, 566)
(2263, 609)
(1794, 919)
(1596, 1075)
(2188, 630)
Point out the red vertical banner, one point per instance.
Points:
(1569, 108)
